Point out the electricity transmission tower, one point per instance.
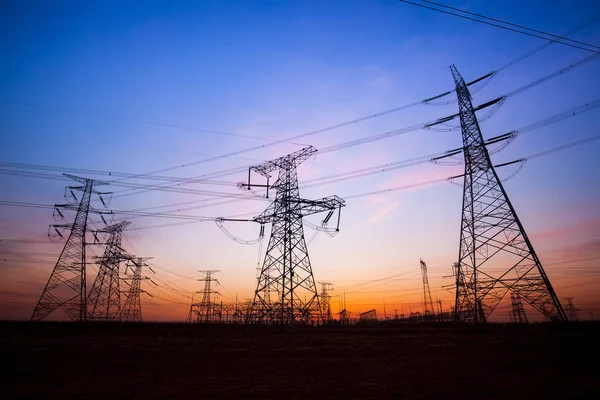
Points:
(571, 310)
(104, 298)
(286, 272)
(518, 312)
(132, 309)
(428, 308)
(495, 254)
(66, 287)
(207, 309)
(325, 301)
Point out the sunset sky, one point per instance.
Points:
(149, 87)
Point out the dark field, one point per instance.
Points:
(179, 361)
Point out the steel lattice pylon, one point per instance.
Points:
(66, 287)
(207, 310)
(132, 309)
(427, 301)
(518, 315)
(495, 254)
(571, 310)
(325, 301)
(104, 298)
(286, 293)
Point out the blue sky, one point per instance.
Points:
(274, 69)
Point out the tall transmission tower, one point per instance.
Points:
(428, 308)
(207, 309)
(66, 287)
(104, 298)
(132, 309)
(518, 312)
(325, 301)
(571, 310)
(492, 237)
(286, 272)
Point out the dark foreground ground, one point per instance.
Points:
(178, 361)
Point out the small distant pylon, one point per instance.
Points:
(207, 309)
(132, 310)
(571, 310)
(193, 309)
(104, 299)
(66, 287)
(518, 312)
(462, 289)
(428, 308)
(325, 300)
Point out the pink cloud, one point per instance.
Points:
(380, 214)
(419, 174)
(582, 228)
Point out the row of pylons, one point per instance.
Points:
(496, 259)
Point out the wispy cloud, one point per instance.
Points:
(582, 228)
(382, 213)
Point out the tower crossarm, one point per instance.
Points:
(119, 227)
(303, 207)
(73, 207)
(309, 207)
(289, 161)
(496, 139)
(84, 180)
(479, 107)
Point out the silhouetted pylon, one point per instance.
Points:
(518, 312)
(132, 310)
(495, 254)
(286, 272)
(207, 308)
(66, 287)
(428, 308)
(571, 310)
(325, 301)
(104, 298)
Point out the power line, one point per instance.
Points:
(434, 181)
(506, 28)
(564, 147)
(82, 171)
(195, 218)
(181, 181)
(147, 122)
(511, 24)
(302, 135)
(588, 106)
(114, 212)
(408, 129)
(174, 273)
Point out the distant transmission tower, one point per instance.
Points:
(66, 287)
(518, 312)
(207, 309)
(325, 301)
(428, 308)
(461, 282)
(571, 310)
(104, 298)
(286, 273)
(132, 310)
(492, 237)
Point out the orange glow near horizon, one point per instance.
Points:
(572, 271)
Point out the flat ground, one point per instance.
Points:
(181, 361)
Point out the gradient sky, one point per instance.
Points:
(79, 81)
